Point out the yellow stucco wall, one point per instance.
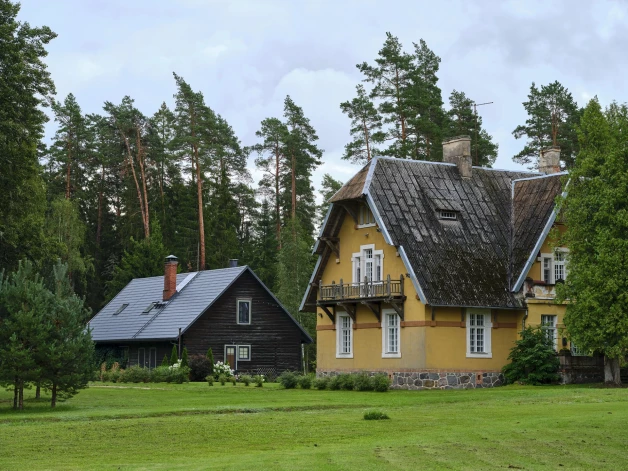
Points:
(440, 344)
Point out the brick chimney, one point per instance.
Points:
(457, 150)
(549, 161)
(170, 277)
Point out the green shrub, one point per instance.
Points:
(288, 379)
(363, 382)
(533, 359)
(375, 415)
(160, 374)
(180, 375)
(305, 381)
(135, 374)
(233, 380)
(200, 367)
(222, 379)
(174, 356)
(184, 357)
(335, 382)
(347, 381)
(210, 380)
(381, 382)
(321, 383)
(105, 376)
(259, 380)
(165, 361)
(246, 379)
(114, 376)
(221, 368)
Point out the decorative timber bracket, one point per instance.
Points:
(376, 308)
(333, 244)
(330, 314)
(350, 308)
(351, 208)
(397, 305)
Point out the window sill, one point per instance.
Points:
(344, 355)
(362, 226)
(243, 323)
(391, 355)
(479, 355)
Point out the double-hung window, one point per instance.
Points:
(554, 266)
(344, 340)
(391, 347)
(244, 311)
(479, 328)
(548, 325)
(368, 266)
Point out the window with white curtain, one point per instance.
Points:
(344, 339)
(368, 263)
(548, 325)
(554, 266)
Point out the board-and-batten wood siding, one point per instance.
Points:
(274, 338)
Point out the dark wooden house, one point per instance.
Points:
(228, 310)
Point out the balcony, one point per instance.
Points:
(369, 293)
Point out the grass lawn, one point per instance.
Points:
(193, 426)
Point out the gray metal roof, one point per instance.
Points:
(164, 320)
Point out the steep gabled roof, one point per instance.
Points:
(472, 261)
(165, 319)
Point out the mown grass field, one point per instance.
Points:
(193, 426)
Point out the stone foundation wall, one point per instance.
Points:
(434, 379)
(581, 369)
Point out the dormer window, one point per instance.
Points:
(365, 217)
(554, 267)
(448, 215)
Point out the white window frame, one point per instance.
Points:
(386, 317)
(243, 300)
(551, 259)
(340, 316)
(358, 261)
(550, 326)
(488, 328)
(238, 353)
(143, 350)
(365, 213)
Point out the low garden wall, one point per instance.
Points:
(580, 369)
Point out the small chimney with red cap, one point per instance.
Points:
(170, 277)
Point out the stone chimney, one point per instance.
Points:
(549, 161)
(233, 262)
(457, 150)
(170, 277)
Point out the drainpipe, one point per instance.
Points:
(523, 321)
(303, 357)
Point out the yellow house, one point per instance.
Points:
(429, 270)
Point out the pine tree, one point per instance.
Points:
(271, 163)
(461, 121)
(264, 260)
(301, 156)
(223, 223)
(329, 187)
(25, 89)
(165, 361)
(390, 77)
(594, 211)
(366, 128)
(68, 152)
(424, 106)
(553, 116)
(174, 356)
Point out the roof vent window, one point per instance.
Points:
(448, 215)
(149, 308)
(120, 309)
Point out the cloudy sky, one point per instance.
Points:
(247, 55)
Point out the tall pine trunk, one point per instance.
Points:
(16, 387)
(277, 207)
(38, 392)
(141, 160)
(137, 187)
(100, 195)
(293, 171)
(68, 172)
(20, 404)
(612, 371)
(201, 222)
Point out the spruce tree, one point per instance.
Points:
(224, 222)
(165, 361)
(366, 128)
(461, 121)
(553, 116)
(329, 187)
(25, 90)
(174, 356)
(594, 210)
(184, 357)
(210, 357)
(264, 260)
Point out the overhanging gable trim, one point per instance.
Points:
(415, 281)
(309, 285)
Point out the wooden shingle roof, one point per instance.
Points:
(470, 261)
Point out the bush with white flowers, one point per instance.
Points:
(221, 368)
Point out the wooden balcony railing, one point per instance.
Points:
(367, 289)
